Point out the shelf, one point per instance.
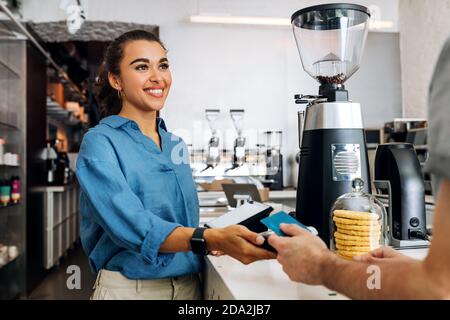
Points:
(10, 205)
(8, 126)
(48, 189)
(6, 72)
(10, 166)
(56, 111)
(15, 63)
(9, 262)
(74, 92)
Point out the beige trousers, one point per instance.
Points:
(112, 285)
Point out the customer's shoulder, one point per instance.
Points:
(446, 47)
(444, 58)
(438, 88)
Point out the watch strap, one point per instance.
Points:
(198, 243)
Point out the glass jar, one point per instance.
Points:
(357, 223)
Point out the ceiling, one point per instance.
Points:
(56, 31)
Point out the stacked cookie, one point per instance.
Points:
(356, 232)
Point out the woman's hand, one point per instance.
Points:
(238, 242)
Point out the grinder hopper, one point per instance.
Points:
(330, 39)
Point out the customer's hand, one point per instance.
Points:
(238, 242)
(302, 255)
(380, 254)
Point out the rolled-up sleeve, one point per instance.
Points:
(116, 208)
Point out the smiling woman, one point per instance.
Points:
(139, 206)
(145, 80)
(141, 44)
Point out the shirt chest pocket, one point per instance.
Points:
(159, 190)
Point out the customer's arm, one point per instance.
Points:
(401, 277)
(305, 258)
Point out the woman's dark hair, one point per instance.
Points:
(107, 97)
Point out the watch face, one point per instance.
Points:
(199, 246)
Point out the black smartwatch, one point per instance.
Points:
(198, 243)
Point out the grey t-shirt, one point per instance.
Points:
(439, 119)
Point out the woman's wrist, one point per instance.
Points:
(212, 238)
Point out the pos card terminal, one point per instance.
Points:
(248, 215)
(255, 216)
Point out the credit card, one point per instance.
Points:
(273, 222)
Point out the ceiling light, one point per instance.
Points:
(268, 21)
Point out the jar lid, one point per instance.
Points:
(357, 199)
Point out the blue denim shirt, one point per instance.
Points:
(133, 195)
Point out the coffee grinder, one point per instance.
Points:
(239, 152)
(213, 157)
(330, 39)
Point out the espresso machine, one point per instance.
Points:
(330, 39)
(274, 160)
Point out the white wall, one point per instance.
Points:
(255, 68)
(424, 27)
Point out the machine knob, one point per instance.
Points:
(414, 222)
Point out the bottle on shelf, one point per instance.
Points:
(3, 255)
(50, 158)
(2, 149)
(5, 192)
(15, 189)
(11, 159)
(66, 168)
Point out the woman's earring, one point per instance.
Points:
(119, 94)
